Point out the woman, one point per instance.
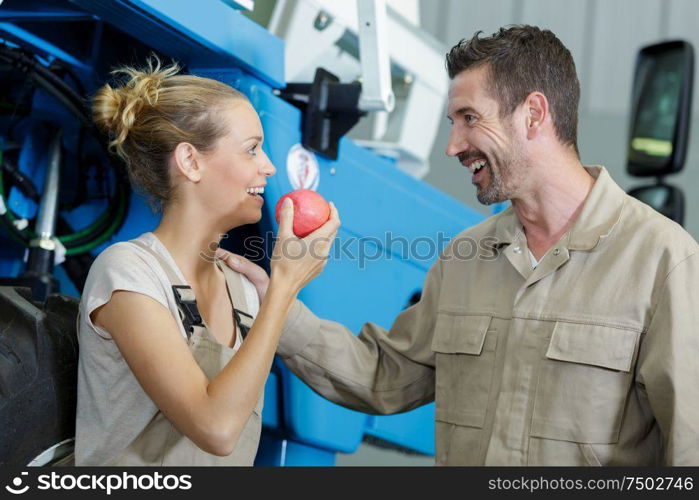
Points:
(162, 382)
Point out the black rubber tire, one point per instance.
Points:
(38, 374)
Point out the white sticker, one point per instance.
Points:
(302, 168)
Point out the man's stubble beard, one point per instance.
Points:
(502, 182)
(505, 180)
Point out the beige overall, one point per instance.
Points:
(160, 443)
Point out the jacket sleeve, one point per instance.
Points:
(669, 364)
(378, 371)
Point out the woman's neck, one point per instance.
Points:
(192, 240)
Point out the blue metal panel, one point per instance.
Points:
(66, 286)
(271, 410)
(14, 32)
(139, 220)
(58, 14)
(17, 25)
(413, 430)
(280, 452)
(11, 254)
(499, 207)
(210, 34)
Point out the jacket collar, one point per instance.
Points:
(598, 217)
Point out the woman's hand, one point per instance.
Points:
(289, 247)
(234, 391)
(296, 261)
(257, 276)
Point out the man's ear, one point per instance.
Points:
(187, 161)
(536, 113)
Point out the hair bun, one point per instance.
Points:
(115, 109)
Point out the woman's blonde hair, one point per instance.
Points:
(150, 112)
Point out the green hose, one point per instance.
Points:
(102, 238)
(71, 237)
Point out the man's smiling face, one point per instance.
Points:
(482, 141)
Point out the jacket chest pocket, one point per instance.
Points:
(464, 347)
(583, 383)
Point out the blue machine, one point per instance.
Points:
(371, 280)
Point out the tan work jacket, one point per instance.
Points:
(591, 358)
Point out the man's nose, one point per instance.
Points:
(457, 143)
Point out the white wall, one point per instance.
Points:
(603, 37)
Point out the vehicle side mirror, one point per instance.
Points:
(668, 200)
(661, 109)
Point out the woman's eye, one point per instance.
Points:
(252, 150)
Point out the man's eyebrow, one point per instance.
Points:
(462, 110)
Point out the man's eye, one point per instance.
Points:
(470, 118)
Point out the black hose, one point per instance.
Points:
(63, 93)
(20, 181)
(48, 81)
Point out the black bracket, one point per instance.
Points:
(244, 329)
(189, 311)
(330, 109)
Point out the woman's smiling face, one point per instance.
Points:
(237, 168)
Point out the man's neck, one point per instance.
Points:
(552, 204)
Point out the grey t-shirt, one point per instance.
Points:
(112, 407)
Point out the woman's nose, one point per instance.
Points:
(268, 168)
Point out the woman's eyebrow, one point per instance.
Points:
(258, 138)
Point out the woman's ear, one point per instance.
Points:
(537, 110)
(187, 161)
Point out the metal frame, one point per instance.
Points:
(326, 33)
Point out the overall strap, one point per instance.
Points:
(184, 295)
(241, 307)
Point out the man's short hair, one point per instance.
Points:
(522, 59)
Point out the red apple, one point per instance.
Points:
(310, 211)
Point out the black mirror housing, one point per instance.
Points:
(666, 199)
(661, 109)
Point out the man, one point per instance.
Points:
(577, 344)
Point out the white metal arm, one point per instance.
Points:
(377, 93)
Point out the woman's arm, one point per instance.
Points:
(378, 371)
(213, 413)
